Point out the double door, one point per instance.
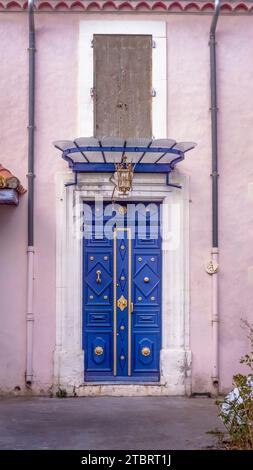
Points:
(122, 297)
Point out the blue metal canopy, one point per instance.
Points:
(89, 154)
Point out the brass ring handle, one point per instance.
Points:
(98, 280)
(99, 350)
(145, 351)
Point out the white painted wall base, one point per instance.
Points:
(176, 371)
(175, 360)
(70, 364)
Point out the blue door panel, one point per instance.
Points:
(121, 302)
(92, 242)
(146, 300)
(121, 277)
(105, 298)
(146, 353)
(148, 257)
(102, 257)
(97, 317)
(145, 319)
(99, 351)
(146, 243)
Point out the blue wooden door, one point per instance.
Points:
(122, 298)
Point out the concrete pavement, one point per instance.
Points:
(111, 423)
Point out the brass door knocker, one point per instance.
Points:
(98, 280)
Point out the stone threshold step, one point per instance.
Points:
(136, 384)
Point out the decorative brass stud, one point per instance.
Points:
(105, 297)
(122, 247)
(91, 297)
(91, 258)
(122, 357)
(122, 327)
(105, 258)
(146, 279)
(145, 351)
(152, 259)
(140, 258)
(99, 350)
(139, 298)
(152, 298)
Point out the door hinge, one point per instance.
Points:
(153, 44)
(153, 92)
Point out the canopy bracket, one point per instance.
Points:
(173, 185)
(72, 183)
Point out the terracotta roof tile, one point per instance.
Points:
(9, 181)
(131, 5)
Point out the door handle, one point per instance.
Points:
(98, 280)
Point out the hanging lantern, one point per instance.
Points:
(124, 177)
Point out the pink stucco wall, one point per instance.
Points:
(188, 118)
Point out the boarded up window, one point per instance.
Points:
(122, 85)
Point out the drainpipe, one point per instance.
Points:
(213, 265)
(30, 176)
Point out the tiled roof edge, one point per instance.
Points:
(124, 5)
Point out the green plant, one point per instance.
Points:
(236, 410)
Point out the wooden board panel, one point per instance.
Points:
(122, 85)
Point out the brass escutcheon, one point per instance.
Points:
(122, 303)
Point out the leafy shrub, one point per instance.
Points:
(236, 410)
